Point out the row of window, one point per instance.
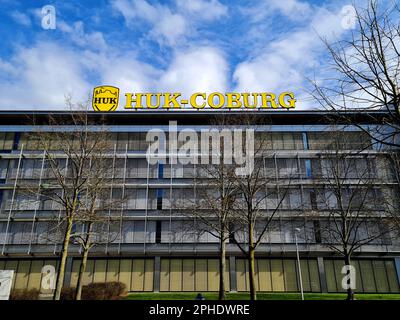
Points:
(184, 231)
(352, 168)
(136, 274)
(282, 275)
(270, 140)
(370, 276)
(323, 198)
(200, 275)
(279, 275)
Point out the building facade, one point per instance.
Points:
(151, 247)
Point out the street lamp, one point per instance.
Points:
(298, 262)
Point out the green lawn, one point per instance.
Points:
(260, 296)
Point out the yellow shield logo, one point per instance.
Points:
(105, 98)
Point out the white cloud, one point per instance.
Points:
(169, 25)
(197, 70)
(93, 40)
(201, 9)
(292, 9)
(21, 18)
(285, 63)
(40, 76)
(124, 72)
(170, 28)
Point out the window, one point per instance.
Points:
(136, 199)
(160, 170)
(316, 168)
(6, 140)
(16, 140)
(345, 140)
(287, 168)
(305, 140)
(177, 170)
(313, 200)
(158, 231)
(31, 168)
(20, 233)
(272, 199)
(308, 168)
(317, 231)
(295, 199)
(283, 141)
(122, 141)
(178, 198)
(41, 232)
(178, 232)
(6, 201)
(159, 199)
(3, 168)
(3, 227)
(137, 168)
(231, 233)
(23, 201)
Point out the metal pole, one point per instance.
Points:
(299, 267)
(10, 212)
(123, 201)
(38, 200)
(111, 198)
(146, 207)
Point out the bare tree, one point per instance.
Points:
(366, 73)
(390, 167)
(349, 201)
(72, 156)
(215, 194)
(251, 216)
(91, 222)
(213, 209)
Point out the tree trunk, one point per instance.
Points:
(350, 292)
(64, 254)
(251, 260)
(253, 294)
(222, 259)
(82, 269)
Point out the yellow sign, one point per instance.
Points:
(214, 100)
(105, 98)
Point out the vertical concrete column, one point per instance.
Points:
(68, 272)
(322, 275)
(397, 263)
(157, 271)
(232, 274)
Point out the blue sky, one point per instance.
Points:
(157, 46)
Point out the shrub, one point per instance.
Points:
(96, 291)
(115, 289)
(24, 294)
(68, 293)
(103, 291)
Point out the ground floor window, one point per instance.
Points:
(371, 275)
